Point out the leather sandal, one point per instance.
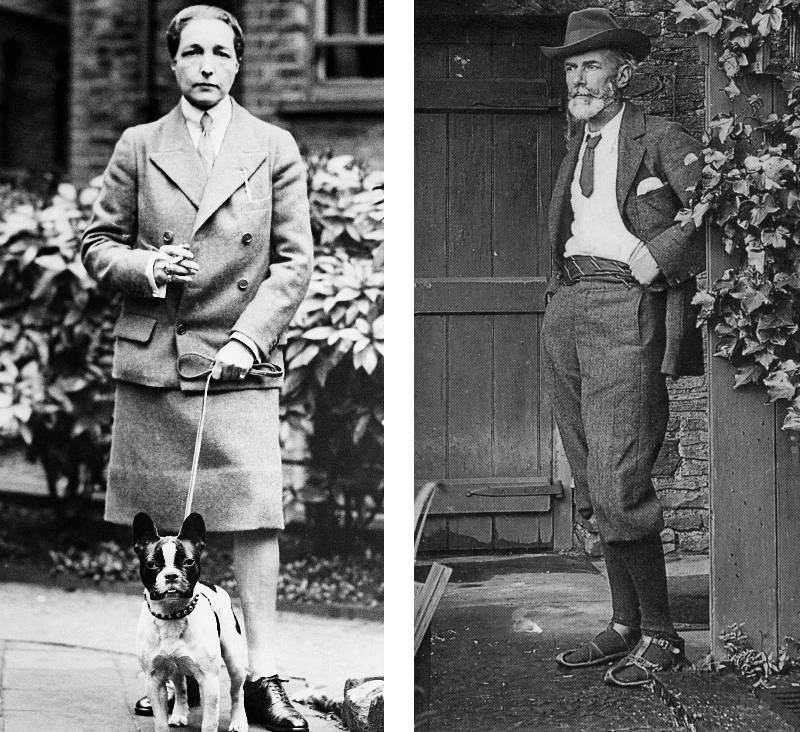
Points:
(624, 643)
(651, 654)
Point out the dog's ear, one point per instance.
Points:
(194, 530)
(144, 532)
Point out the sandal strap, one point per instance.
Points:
(630, 635)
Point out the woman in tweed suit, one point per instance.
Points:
(203, 225)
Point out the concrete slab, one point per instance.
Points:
(322, 652)
(67, 661)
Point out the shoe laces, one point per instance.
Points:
(277, 684)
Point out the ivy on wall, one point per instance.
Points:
(750, 191)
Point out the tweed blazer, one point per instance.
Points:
(649, 147)
(254, 251)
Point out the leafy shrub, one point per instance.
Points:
(334, 385)
(56, 392)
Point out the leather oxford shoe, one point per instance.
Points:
(143, 707)
(265, 701)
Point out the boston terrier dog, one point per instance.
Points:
(185, 627)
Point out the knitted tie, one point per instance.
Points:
(587, 168)
(206, 146)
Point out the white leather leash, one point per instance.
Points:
(198, 441)
(261, 368)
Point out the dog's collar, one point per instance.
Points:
(176, 615)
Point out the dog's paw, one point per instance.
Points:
(178, 719)
(238, 722)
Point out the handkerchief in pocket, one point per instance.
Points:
(649, 184)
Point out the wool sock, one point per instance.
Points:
(644, 561)
(624, 599)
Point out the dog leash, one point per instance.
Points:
(202, 369)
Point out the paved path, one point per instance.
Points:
(67, 660)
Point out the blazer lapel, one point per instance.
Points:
(177, 158)
(561, 189)
(232, 165)
(631, 151)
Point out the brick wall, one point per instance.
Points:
(121, 77)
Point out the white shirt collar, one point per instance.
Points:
(220, 113)
(610, 130)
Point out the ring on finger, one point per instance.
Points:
(169, 276)
(242, 374)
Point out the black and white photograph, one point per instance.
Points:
(191, 365)
(607, 362)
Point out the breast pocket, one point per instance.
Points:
(257, 204)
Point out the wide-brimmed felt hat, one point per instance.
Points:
(594, 28)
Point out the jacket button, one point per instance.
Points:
(247, 238)
(180, 328)
(243, 283)
(168, 236)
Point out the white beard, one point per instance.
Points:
(583, 108)
(587, 106)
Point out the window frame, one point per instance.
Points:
(345, 88)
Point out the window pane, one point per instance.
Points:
(348, 62)
(375, 17)
(342, 16)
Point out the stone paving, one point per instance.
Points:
(67, 661)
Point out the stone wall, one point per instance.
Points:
(121, 77)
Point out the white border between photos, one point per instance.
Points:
(399, 381)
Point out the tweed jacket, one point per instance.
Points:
(649, 147)
(253, 247)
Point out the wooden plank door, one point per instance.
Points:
(489, 136)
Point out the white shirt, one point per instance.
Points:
(597, 227)
(220, 118)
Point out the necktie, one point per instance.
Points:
(206, 146)
(587, 168)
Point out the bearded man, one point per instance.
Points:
(618, 320)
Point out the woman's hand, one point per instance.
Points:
(232, 362)
(180, 267)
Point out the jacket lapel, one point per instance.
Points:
(561, 189)
(233, 163)
(631, 151)
(176, 157)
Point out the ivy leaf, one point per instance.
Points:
(762, 209)
(722, 124)
(690, 158)
(732, 90)
(757, 299)
(767, 22)
(766, 359)
(779, 386)
(741, 40)
(699, 212)
(684, 11)
(749, 374)
(707, 21)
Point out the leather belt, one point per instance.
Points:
(583, 266)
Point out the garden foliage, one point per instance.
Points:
(750, 193)
(56, 391)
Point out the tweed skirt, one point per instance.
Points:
(239, 479)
